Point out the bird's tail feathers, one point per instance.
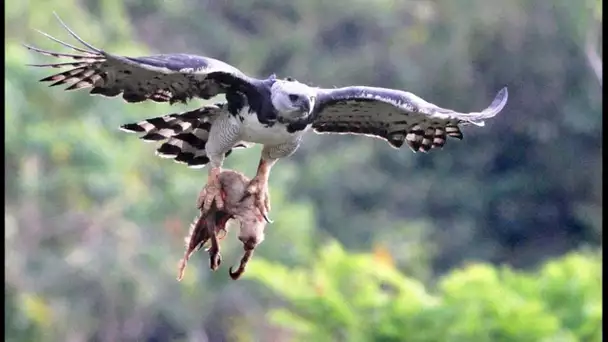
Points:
(167, 126)
(184, 134)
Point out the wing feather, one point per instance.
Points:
(161, 78)
(396, 116)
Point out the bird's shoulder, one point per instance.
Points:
(254, 102)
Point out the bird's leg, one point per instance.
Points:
(258, 187)
(211, 192)
(223, 134)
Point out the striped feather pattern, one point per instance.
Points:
(160, 78)
(396, 116)
(184, 134)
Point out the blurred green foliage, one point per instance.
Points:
(94, 222)
(362, 297)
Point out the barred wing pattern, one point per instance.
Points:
(185, 134)
(395, 116)
(161, 78)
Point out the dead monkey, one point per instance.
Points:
(209, 227)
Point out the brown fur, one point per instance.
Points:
(208, 227)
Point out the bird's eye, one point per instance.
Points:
(293, 97)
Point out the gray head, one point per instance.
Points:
(292, 100)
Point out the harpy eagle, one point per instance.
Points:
(273, 112)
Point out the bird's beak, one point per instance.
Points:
(308, 105)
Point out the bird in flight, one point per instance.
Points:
(273, 112)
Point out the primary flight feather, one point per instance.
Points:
(269, 111)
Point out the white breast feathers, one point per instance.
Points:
(253, 131)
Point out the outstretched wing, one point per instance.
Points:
(161, 78)
(393, 115)
(184, 135)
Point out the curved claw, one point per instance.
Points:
(266, 218)
(244, 260)
(235, 274)
(261, 198)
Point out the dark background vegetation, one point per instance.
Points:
(494, 238)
